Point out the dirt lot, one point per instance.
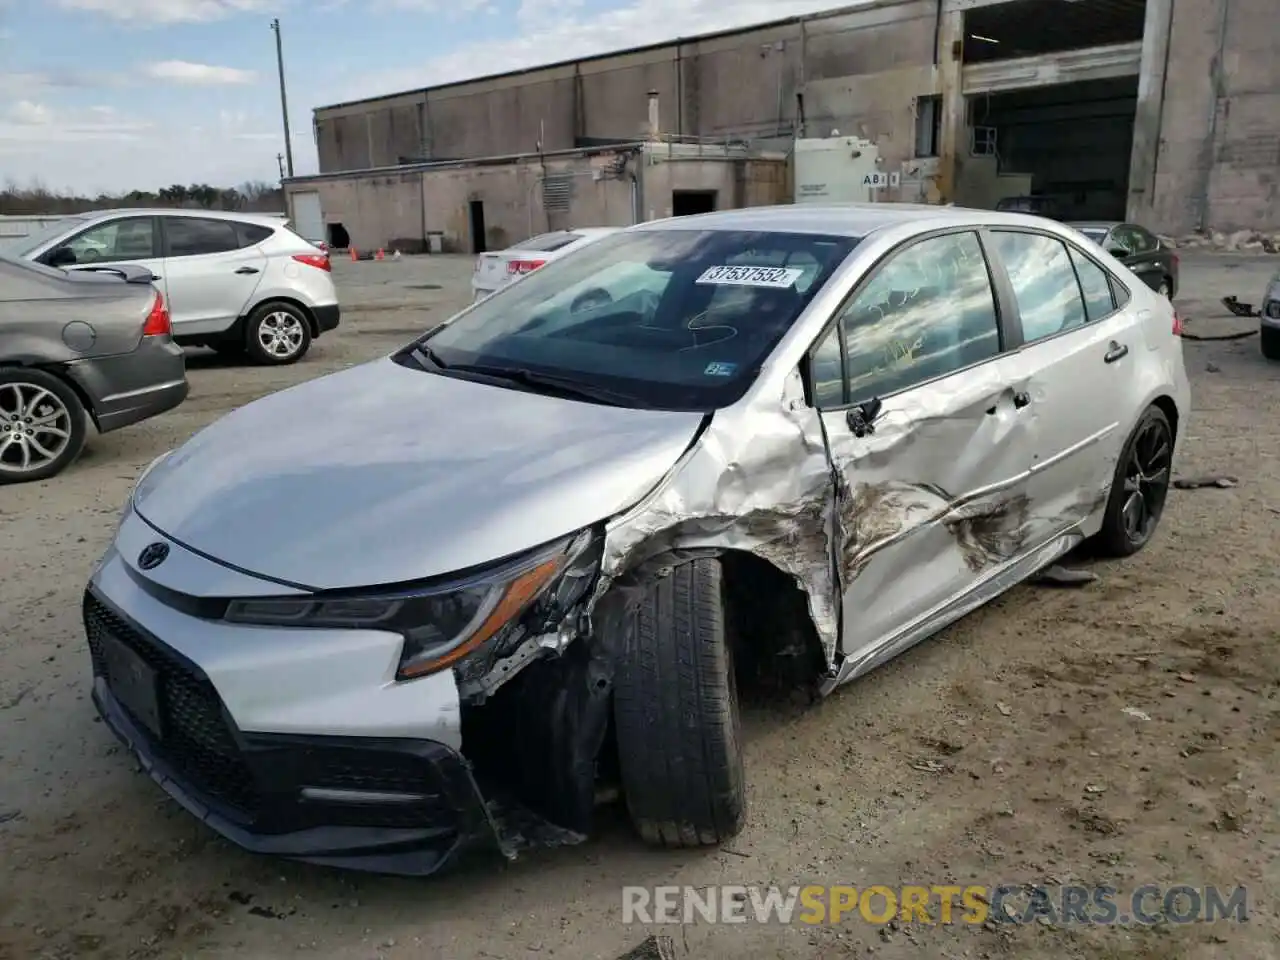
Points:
(999, 752)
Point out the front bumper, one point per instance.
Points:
(132, 387)
(278, 742)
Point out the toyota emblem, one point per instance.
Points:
(153, 555)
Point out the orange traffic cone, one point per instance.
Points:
(354, 256)
(380, 255)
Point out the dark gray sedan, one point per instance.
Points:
(1138, 249)
(79, 346)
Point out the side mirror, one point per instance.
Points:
(62, 257)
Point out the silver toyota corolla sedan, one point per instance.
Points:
(531, 554)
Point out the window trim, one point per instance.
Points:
(1016, 314)
(157, 248)
(1004, 331)
(167, 220)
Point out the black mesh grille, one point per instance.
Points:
(196, 740)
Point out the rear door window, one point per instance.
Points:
(1094, 284)
(195, 236)
(1044, 282)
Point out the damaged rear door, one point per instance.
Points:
(926, 439)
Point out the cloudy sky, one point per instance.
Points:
(115, 95)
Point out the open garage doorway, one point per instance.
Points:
(1070, 143)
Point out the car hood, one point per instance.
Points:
(383, 474)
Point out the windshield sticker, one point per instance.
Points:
(720, 369)
(728, 276)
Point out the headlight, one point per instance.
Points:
(444, 623)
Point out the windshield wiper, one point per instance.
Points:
(550, 383)
(427, 358)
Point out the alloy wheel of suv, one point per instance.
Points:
(277, 334)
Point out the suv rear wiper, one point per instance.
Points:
(550, 383)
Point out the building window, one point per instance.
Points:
(928, 125)
(982, 142)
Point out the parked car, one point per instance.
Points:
(1037, 206)
(1269, 320)
(241, 283)
(1138, 249)
(540, 544)
(75, 345)
(495, 270)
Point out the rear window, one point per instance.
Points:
(1097, 236)
(677, 319)
(547, 242)
(251, 233)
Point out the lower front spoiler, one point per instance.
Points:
(299, 830)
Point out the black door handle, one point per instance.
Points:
(1115, 352)
(248, 270)
(1020, 400)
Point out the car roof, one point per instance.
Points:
(845, 220)
(266, 219)
(592, 231)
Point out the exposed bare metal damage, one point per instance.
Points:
(757, 480)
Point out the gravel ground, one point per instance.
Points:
(1122, 733)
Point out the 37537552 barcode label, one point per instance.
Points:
(730, 276)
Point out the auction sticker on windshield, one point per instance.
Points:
(751, 276)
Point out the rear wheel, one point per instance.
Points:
(1139, 488)
(42, 425)
(277, 333)
(1270, 339)
(676, 713)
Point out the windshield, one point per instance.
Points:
(672, 319)
(19, 246)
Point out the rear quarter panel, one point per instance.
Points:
(58, 321)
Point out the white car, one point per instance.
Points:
(237, 282)
(530, 550)
(494, 271)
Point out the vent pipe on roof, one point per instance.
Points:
(654, 128)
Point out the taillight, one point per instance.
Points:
(318, 260)
(1177, 324)
(518, 268)
(157, 324)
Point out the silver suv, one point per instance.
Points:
(237, 282)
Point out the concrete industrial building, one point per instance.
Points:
(1169, 114)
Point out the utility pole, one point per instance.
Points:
(280, 161)
(284, 101)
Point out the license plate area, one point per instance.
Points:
(133, 683)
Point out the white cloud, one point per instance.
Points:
(198, 74)
(168, 11)
(28, 125)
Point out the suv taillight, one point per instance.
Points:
(157, 324)
(518, 268)
(318, 260)
(1177, 324)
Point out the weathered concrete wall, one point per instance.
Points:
(1214, 144)
(739, 85)
(374, 210)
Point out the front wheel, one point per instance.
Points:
(42, 425)
(277, 333)
(676, 713)
(1140, 486)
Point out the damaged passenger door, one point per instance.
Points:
(926, 440)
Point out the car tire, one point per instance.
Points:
(1128, 527)
(676, 713)
(277, 334)
(19, 388)
(1269, 338)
